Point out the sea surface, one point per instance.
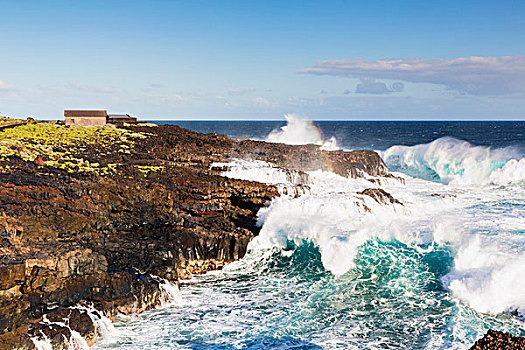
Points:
(333, 269)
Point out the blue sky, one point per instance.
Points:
(259, 60)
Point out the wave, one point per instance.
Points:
(300, 131)
(476, 226)
(458, 162)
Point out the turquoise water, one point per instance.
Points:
(434, 273)
(392, 299)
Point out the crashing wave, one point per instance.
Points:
(299, 131)
(488, 278)
(458, 162)
(338, 218)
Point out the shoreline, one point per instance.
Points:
(101, 217)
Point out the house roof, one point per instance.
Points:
(86, 113)
(118, 116)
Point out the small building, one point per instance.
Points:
(86, 118)
(96, 118)
(120, 119)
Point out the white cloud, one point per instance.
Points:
(371, 86)
(482, 76)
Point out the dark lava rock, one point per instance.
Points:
(380, 196)
(312, 157)
(495, 340)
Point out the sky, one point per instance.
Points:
(350, 60)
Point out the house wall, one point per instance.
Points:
(85, 118)
(86, 121)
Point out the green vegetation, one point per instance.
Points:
(68, 148)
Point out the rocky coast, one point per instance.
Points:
(94, 221)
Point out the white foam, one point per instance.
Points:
(512, 171)
(488, 278)
(75, 341)
(170, 292)
(257, 170)
(301, 131)
(42, 344)
(338, 228)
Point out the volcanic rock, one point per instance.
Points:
(495, 340)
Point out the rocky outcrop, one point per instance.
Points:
(312, 157)
(380, 196)
(494, 340)
(103, 222)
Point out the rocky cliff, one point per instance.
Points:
(311, 157)
(101, 216)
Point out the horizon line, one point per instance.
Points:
(315, 120)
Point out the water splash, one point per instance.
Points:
(75, 341)
(103, 326)
(300, 131)
(171, 293)
(488, 278)
(42, 344)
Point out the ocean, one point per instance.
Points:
(435, 272)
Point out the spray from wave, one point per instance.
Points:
(299, 131)
(458, 162)
(488, 276)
